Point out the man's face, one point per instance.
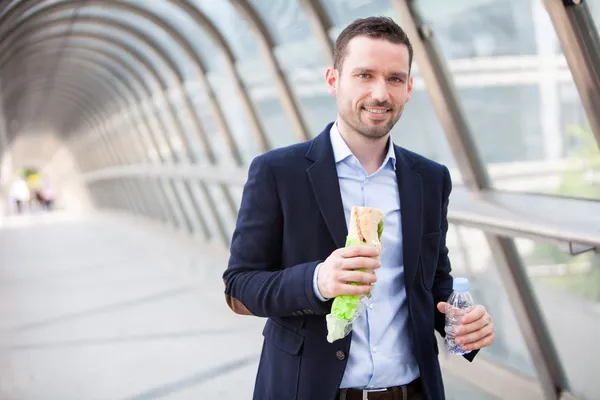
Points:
(372, 86)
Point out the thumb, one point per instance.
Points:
(441, 306)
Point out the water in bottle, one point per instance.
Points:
(459, 302)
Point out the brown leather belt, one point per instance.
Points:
(404, 392)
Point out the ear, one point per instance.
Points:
(409, 88)
(331, 79)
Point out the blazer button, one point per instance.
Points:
(340, 355)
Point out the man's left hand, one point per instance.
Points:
(476, 330)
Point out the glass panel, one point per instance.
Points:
(186, 143)
(156, 129)
(298, 52)
(207, 212)
(342, 12)
(284, 19)
(459, 389)
(568, 293)
(231, 105)
(482, 28)
(185, 25)
(471, 257)
(254, 72)
(236, 193)
(223, 211)
(235, 30)
(418, 129)
(517, 92)
(201, 108)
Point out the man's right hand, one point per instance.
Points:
(340, 268)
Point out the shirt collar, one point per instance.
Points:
(341, 151)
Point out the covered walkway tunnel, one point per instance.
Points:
(132, 125)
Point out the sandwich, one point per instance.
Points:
(365, 229)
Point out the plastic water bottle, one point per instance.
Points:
(459, 302)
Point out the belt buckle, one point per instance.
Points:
(365, 392)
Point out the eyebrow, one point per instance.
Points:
(362, 70)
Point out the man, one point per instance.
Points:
(288, 259)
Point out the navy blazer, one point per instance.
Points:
(291, 218)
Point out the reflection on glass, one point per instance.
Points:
(567, 289)
(517, 93)
(471, 257)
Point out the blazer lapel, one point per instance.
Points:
(411, 211)
(326, 186)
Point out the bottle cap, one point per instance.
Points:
(460, 285)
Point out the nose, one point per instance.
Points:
(379, 91)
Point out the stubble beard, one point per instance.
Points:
(371, 132)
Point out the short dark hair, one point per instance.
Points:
(375, 27)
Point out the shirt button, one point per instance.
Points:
(340, 355)
(366, 181)
(374, 349)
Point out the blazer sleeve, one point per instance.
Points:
(255, 281)
(442, 286)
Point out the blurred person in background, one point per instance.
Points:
(19, 193)
(46, 194)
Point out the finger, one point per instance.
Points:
(481, 343)
(474, 326)
(473, 315)
(360, 262)
(346, 289)
(357, 276)
(473, 337)
(359, 251)
(441, 306)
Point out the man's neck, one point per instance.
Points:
(370, 152)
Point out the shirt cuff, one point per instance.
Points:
(315, 284)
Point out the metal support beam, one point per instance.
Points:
(581, 46)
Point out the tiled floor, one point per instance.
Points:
(99, 307)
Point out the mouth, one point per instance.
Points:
(377, 112)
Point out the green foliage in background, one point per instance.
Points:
(582, 183)
(578, 183)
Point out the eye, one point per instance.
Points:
(364, 76)
(396, 79)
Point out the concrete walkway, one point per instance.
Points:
(97, 307)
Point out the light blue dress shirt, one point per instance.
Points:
(381, 353)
